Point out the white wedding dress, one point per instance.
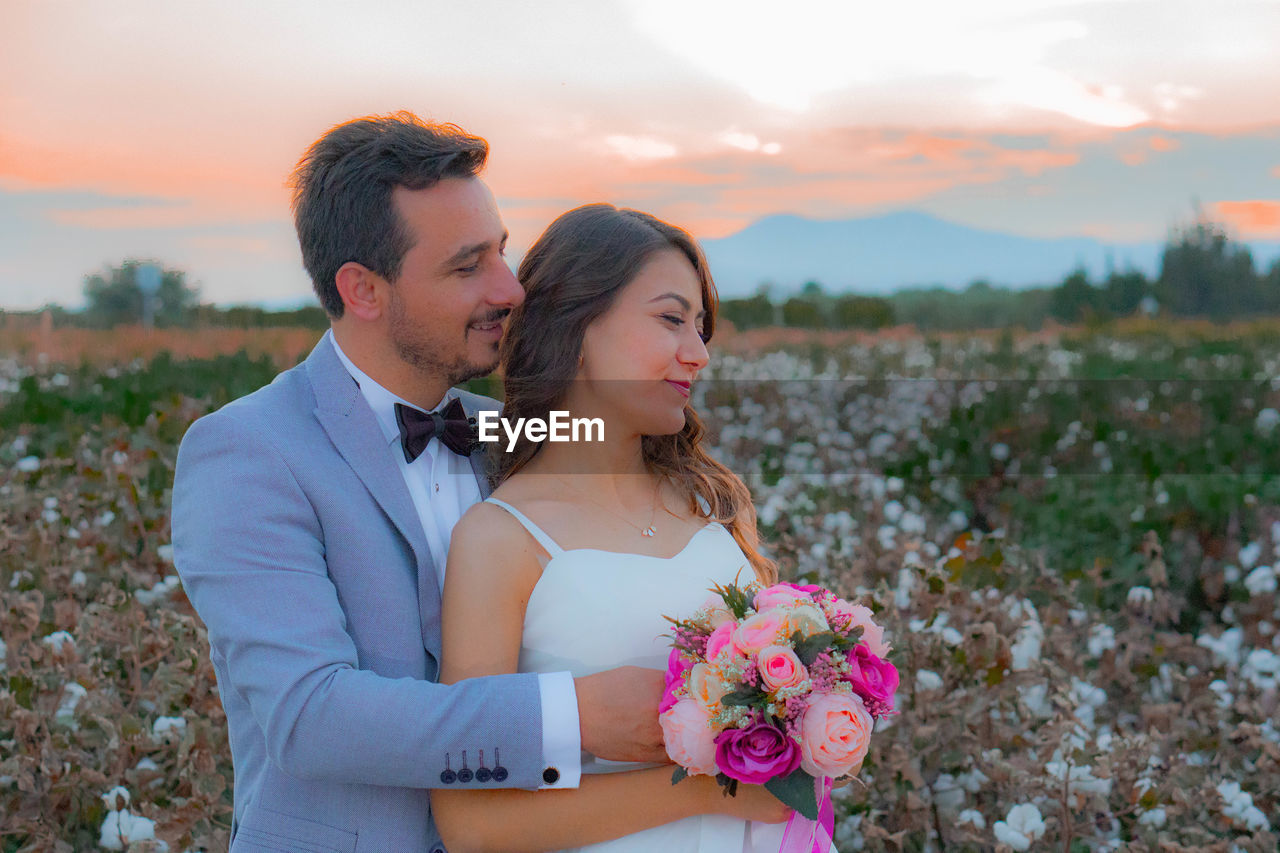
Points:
(593, 610)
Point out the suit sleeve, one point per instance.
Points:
(249, 548)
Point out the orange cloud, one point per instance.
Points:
(1164, 143)
(1257, 218)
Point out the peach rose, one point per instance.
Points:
(807, 619)
(706, 686)
(779, 595)
(835, 733)
(686, 730)
(779, 667)
(717, 613)
(872, 634)
(755, 632)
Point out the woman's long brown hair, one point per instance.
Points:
(571, 276)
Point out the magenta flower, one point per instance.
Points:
(874, 679)
(756, 754)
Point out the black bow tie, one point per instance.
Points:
(449, 424)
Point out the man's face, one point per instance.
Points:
(448, 308)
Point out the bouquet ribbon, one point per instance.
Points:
(812, 836)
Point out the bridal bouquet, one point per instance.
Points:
(778, 687)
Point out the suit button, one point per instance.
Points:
(437, 850)
(464, 775)
(551, 775)
(483, 774)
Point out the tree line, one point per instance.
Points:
(1203, 273)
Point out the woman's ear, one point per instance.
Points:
(362, 290)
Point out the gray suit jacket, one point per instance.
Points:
(298, 543)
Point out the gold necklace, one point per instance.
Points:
(649, 531)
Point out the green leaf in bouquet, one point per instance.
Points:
(796, 791)
(737, 599)
(745, 696)
(808, 648)
(679, 775)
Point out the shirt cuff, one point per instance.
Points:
(561, 737)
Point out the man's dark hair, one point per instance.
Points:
(342, 187)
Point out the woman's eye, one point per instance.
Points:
(469, 269)
(676, 319)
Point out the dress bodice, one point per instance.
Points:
(594, 609)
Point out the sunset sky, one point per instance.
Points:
(168, 129)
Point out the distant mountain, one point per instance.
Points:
(880, 254)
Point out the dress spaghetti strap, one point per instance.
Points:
(534, 530)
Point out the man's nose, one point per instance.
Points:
(506, 288)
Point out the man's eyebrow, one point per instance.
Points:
(466, 252)
(684, 303)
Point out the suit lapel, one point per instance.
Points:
(354, 431)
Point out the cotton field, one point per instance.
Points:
(1073, 542)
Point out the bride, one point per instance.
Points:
(585, 546)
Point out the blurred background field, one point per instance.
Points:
(1072, 535)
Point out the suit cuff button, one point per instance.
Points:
(551, 775)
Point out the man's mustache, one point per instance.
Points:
(495, 316)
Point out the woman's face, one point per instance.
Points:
(639, 359)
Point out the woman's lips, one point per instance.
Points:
(682, 387)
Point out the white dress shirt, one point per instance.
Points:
(443, 486)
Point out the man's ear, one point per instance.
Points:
(362, 290)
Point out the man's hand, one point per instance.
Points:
(618, 714)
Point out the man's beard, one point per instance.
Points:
(426, 355)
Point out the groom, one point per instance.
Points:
(311, 521)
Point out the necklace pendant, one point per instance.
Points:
(649, 531)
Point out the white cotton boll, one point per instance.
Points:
(1261, 581)
(168, 728)
(4, 653)
(1140, 595)
(912, 522)
(28, 464)
(1266, 420)
(146, 764)
(121, 829)
(71, 696)
(1000, 451)
(906, 583)
(848, 834)
(115, 797)
(1078, 778)
(1262, 669)
(1022, 826)
(105, 518)
(893, 511)
(927, 679)
(1101, 639)
(57, 640)
(1249, 554)
(1225, 647)
(947, 793)
(1231, 573)
(973, 817)
(1154, 818)
(1237, 804)
(1078, 616)
(119, 458)
(957, 520)
(1026, 646)
(1036, 698)
(886, 536)
(951, 636)
(1220, 690)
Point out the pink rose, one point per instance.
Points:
(686, 730)
(779, 667)
(719, 640)
(677, 666)
(835, 733)
(756, 754)
(755, 632)
(779, 595)
(874, 679)
(860, 617)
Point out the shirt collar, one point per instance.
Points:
(382, 401)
